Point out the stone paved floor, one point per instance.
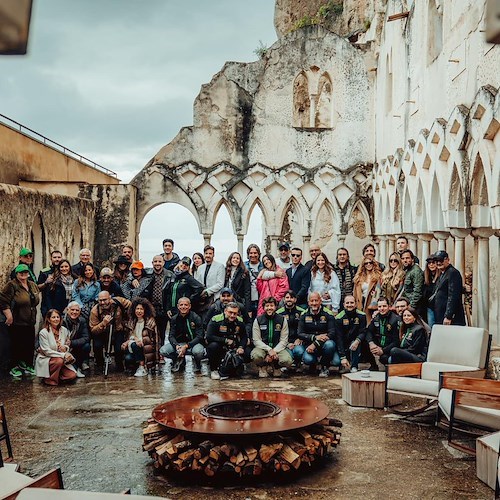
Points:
(93, 431)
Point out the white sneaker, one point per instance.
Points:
(79, 373)
(324, 372)
(141, 372)
(214, 375)
(263, 372)
(205, 370)
(85, 366)
(354, 369)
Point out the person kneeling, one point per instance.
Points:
(226, 338)
(270, 338)
(185, 337)
(414, 340)
(54, 361)
(140, 331)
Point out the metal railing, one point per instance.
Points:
(9, 122)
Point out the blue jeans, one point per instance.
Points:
(297, 352)
(328, 353)
(431, 318)
(354, 356)
(197, 351)
(134, 357)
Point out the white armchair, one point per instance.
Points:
(451, 349)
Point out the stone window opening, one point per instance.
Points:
(434, 30)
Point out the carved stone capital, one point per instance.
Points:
(459, 233)
(483, 232)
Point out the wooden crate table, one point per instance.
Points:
(368, 392)
(487, 458)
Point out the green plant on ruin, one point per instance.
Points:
(367, 24)
(261, 50)
(327, 11)
(306, 21)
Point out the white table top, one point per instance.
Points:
(358, 377)
(11, 481)
(46, 494)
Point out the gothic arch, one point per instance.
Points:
(420, 210)
(480, 206)
(292, 217)
(247, 213)
(360, 207)
(436, 210)
(230, 211)
(456, 200)
(38, 242)
(321, 229)
(301, 101)
(76, 241)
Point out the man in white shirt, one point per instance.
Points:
(283, 260)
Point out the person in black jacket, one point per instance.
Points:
(108, 283)
(317, 331)
(299, 277)
(79, 337)
(292, 312)
(237, 278)
(447, 298)
(182, 285)
(58, 289)
(414, 340)
(345, 272)
(185, 337)
(382, 334)
(225, 332)
(350, 331)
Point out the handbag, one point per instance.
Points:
(231, 362)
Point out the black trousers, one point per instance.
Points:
(22, 344)
(5, 349)
(101, 342)
(399, 355)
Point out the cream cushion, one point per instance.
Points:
(413, 386)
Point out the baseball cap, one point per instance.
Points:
(186, 260)
(284, 244)
(25, 251)
(441, 255)
(106, 271)
(431, 258)
(137, 265)
(21, 268)
(226, 290)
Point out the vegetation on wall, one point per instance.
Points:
(261, 50)
(326, 12)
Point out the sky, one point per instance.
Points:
(115, 80)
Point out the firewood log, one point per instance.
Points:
(267, 451)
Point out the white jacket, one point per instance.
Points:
(332, 288)
(48, 349)
(215, 278)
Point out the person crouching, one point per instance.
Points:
(270, 338)
(54, 361)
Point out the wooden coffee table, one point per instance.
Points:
(367, 392)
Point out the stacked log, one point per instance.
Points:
(172, 450)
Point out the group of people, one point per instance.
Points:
(274, 313)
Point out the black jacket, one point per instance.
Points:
(349, 326)
(270, 328)
(169, 265)
(416, 341)
(293, 317)
(218, 308)
(241, 287)
(183, 285)
(384, 331)
(78, 331)
(186, 330)
(115, 290)
(220, 329)
(447, 302)
(311, 325)
(300, 282)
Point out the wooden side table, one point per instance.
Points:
(368, 392)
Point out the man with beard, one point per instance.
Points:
(291, 311)
(413, 286)
(350, 331)
(299, 277)
(345, 271)
(270, 338)
(46, 277)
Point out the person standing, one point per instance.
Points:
(58, 289)
(237, 278)
(85, 258)
(345, 272)
(46, 277)
(211, 275)
(447, 298)
(325, 281)
(299, 277)
(431, 275)
(283, 260)
(367, 287)
(18, 301)
(254, 266)
(25, 257)
(271, 282)
(108, 283)
(170, 258)
(402, 245)
(86, 289)
(137, 282)
(314, 251)
(413, 287)
(392, 279)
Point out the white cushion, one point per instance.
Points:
(458, 345)
(484, 417)
(431, 371)
(413, 385)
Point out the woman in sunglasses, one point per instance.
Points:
(392, 279)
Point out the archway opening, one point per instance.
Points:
(76, 242)
(255, 233)
(223, 239)
(168, 220)
(38, 244)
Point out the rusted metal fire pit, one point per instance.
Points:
(242, 432)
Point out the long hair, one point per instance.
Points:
(81, 278)
(393, 275)
(272, 259)
(46, 322)
(327, 273)
(362, 274)
(58, 274)
(429, 276)
(229, 266)
(418, 320)
(193, 267)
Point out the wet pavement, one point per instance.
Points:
(93, 431)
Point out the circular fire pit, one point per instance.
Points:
(239, 432)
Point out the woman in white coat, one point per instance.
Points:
(325, 281)
(53, 361)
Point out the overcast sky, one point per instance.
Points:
(115, 80)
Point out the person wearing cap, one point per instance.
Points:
(122, 269)
(108, 283)
(25, 257)
(18, 301)
(137, 282)
(446, 301)
(85, 258)
(283, 260)
(182, 285)
(431, 275)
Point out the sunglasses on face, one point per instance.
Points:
(393, 260)
(296, 255)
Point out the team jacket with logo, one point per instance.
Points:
(186, 330)
(349, 326)
(221, 329)
(384, 331)
(292, 316)
(311, 325)
(270, 332)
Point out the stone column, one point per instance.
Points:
(426, 247)
(305, 248)
(341, 240)
(240, 238)
(391, 247)
(206, 239)
(481, 278)
(274, 244)
(441, 236)
(459, 236)
(382, 250)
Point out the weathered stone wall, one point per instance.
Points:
(114, 219)
(24, 159)
(42, 222)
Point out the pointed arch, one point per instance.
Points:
(291, 221)
(480, 206)
(322, 230)
(407, 224)
(324, 108)
(76, 241)
(456, 200)
(359, 220)
(38, 242)
(227, 206)
(301, 101)
(436, 208)
(420, 210)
